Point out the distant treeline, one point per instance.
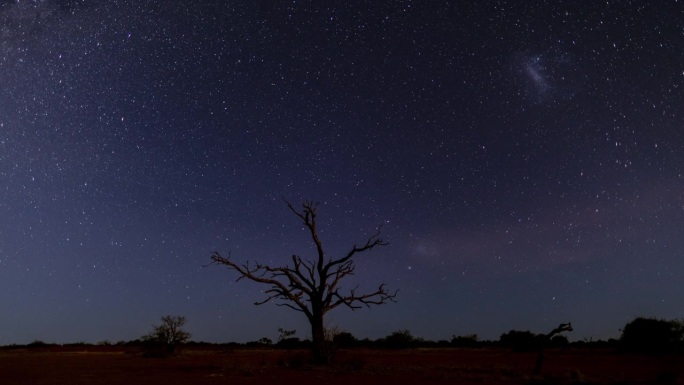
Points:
(641, 335)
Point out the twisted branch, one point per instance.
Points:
(312, 284)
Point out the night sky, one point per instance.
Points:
(525, 161)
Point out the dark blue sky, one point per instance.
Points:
(524, 161)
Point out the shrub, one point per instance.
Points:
(467, 341)
(520, 341)
(38, 344)
(289, 343)
(559, 341)
(400, 339)
(651, 335)
(344, 340)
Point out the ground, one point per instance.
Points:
(95, 365)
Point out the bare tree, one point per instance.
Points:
(545, 339)
(168, 335)
(312, 286)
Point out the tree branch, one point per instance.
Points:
(312, 286)
(354, 301)
(561, 328)
(258, 274)
(308, 215)
(373, 241)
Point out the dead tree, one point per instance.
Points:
(312, 286)
(545, 339)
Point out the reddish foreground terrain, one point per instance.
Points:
(94, 365)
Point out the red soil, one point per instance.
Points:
(114, 365)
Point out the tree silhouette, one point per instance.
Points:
(312, 286)
(651, 335)
(526, 341)
(168, 335)
(545, 339)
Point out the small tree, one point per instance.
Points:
(526, 341)
(287, 338)
(285, 334)
(544, 340)
(166, 337)
(312, 286)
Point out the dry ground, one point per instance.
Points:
(114, 365)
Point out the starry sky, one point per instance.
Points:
(523, 159)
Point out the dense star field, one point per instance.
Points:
(524, 161)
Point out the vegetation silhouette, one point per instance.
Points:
(467, 341)
(519, 341)
(526, 341)
(545, 339)
(345, 340)
(287, 340)
(312, 286)
(164, 339)
(400, 339)
(652, 336)
(639, 336)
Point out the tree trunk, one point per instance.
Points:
(319, 346)
(540, 358)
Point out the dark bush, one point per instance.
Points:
(367, 343)
(344, 340)
(651, 335)
(400, 339)
(520, 341)
(558, 341)
(39, 344)
(287, 340)
(468, 341)
(289, 343)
